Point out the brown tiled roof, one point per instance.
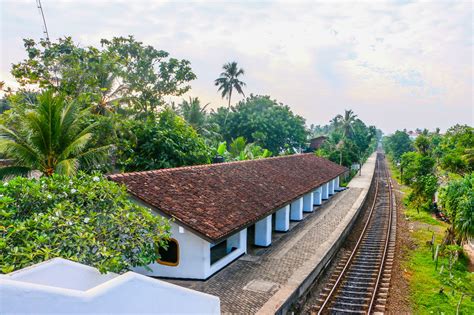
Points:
(216, 200)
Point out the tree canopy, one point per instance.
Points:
(262, 121)
(161, 142)
(397, 144)
(124, 72)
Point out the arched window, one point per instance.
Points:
(169, 256)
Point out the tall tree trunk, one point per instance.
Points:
(228, 107)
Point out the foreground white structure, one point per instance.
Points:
(60, 286)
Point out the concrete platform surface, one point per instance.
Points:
(268, 281)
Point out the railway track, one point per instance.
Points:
(361, 280)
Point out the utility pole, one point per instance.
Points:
(45, 27)
(46, 33)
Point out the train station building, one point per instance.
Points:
(221, 211)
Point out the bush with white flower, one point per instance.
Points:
(85, 218)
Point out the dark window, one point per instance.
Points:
(169, 256)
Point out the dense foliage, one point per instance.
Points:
(240, 150)
(397, 144)
(161, 142)
(50, 137)
(84, 218)
(262, 121)
(438, 164)
(457, 198)
(348, 140)
(125, 74)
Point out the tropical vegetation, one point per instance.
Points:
(52, 136)
(263, 121)
(348, 140)
(85, 111)
(435, 164)
(84, 218)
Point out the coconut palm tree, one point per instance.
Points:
(344, 124)
(197, 116)
(51, 137)
(110, 89)
(229, 80)
(194, 113)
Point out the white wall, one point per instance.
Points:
(59, 288)
(193, 257)
(221, 263)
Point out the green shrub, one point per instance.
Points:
(161, 142)
(84, 218)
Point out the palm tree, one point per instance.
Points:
(51, 137)
(194, 113)
(346, 125)
(197, 116)
(229, 80)
(110, 90)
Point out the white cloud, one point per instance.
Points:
(405, 59)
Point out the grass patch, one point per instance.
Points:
(430, 289)
(422, 216)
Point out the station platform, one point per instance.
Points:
(268, 281)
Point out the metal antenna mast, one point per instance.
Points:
(45, 29)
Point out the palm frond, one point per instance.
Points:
(20, 152)
(75, 147)
(94, 156)
(67, 167)
(12, 171)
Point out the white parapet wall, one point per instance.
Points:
(60, 286)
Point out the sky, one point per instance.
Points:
(396, 64)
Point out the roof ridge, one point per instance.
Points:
(199, 166)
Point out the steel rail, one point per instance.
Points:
(354, 251)
(387, 241)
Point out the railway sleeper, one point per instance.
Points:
(365, 266)
(354, 293)
(371, 250)
(359, 269)
(375, 260)
(354, 306)
(357, 286)
(360, 284)
(368, 275)
(350, 300)
(344, 310)
(370, 245)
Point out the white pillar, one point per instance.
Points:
(331, 188)
(296, 210)
(308, 202)
(282, 219)
(336, 185)
(233, 241)
(317, 196)
(325, 192)
(263, 231)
